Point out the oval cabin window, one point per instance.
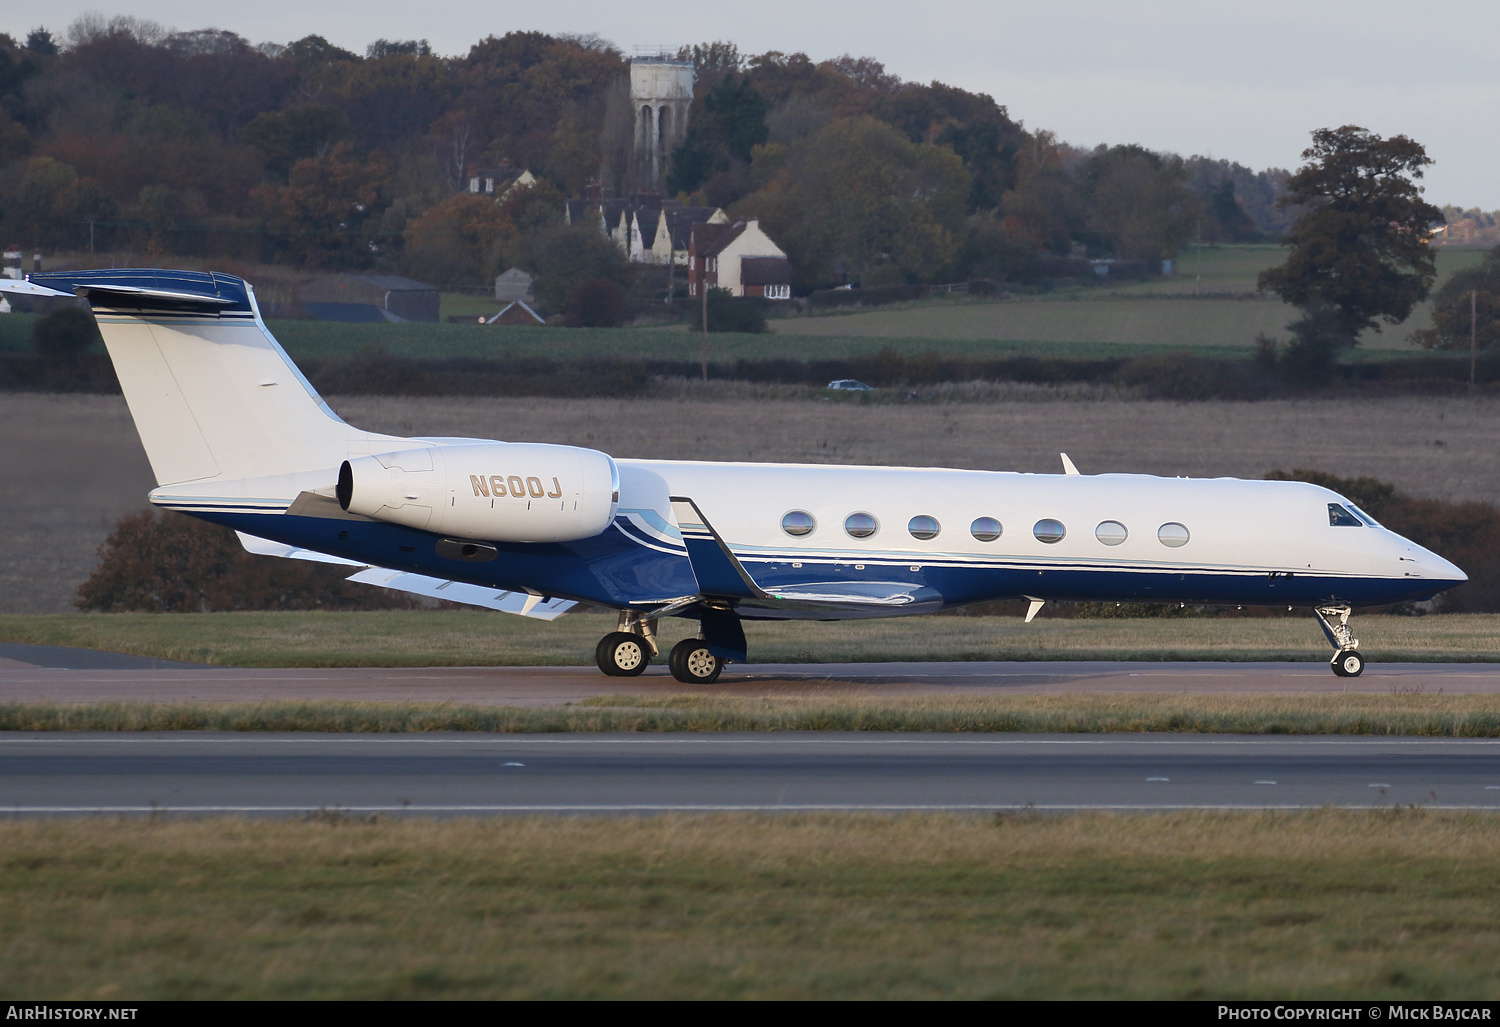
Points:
(985, 529)
(861, 525)
(1111, 533)
(923, 527)
(798, 523)
(1049, 530)
(1173, 534)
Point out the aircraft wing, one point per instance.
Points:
(19, 287)
(720, 575)
(265, 547)
(522, 604)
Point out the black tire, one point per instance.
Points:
(1349, 664)
(692, 663)
(621, 654)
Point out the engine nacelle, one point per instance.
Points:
(496, 491)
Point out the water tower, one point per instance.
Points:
(661, 91)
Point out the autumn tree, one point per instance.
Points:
(169, 563)
(723, 130)
(1467, 305)
(321, 216)
(563, 257)
(456, 242)
(1362, 243)
(1141, 206)
(861, 194)
(1044, 205)
(285, 137)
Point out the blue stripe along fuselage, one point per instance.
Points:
(616, 568)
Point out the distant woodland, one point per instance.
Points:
(118, 135)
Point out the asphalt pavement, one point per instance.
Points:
(476, 775)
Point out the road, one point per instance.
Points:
(477, 775)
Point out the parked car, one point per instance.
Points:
(850, 385)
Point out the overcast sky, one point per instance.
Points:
(1242, 80)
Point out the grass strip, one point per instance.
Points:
(1398, 904)
(437, 638)
(1435, 716)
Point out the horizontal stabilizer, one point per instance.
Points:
(520, 603)
(149, 289)
(17, 287)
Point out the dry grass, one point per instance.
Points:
(475, 638)
(1390, 905)
(1428, 716)
(74, 463)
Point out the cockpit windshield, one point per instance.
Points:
(1347, 515)
(1339, 517)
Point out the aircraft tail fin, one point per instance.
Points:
(211, 391)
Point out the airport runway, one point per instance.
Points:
(58, 674)
(199, 773)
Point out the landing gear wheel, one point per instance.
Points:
(621, 654)
(1349, 664)
(692, 663)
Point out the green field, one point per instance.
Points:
(1400, 904)
(477, 638)
(1219, 316)
(1135, 319)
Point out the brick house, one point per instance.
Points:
(739, 257)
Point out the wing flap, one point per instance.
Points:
(265, 547)
(523, 604)
(858, 593)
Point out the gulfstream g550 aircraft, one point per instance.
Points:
(237, 436)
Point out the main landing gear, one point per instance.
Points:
(692, 663)
(626, 651)
(1334, 620)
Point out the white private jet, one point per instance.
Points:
(237, 436)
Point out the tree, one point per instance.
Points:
(564, 256)
(1470, 300)
(596, 303)
(731, 124)
(1142, 207)
(457, 242)
(285, 137)
(320, 215)
(168, 563)
(1362, 244)
(65, 333)
(730, 313)
(860, 193)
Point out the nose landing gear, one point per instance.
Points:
(1334, 620)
